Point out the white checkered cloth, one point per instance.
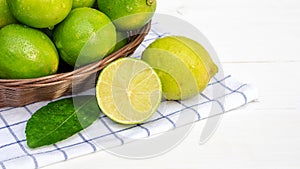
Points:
(14, 153)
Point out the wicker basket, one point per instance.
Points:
(15, 93)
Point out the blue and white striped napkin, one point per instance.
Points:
(14, 153)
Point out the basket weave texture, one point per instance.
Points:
(15, 93)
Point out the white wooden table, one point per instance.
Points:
(258, 41)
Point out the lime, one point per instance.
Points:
(183, 65)
(40, 13)
(128, 91)
(83, 3)
(85, 36)
(122, 40)
(128, 14)
(26, 53)
(6, 17)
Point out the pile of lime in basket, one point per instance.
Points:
(36, 37)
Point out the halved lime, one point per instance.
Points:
(128, 91)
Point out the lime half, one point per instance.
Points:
(128, 91)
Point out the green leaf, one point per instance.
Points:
(60, 120)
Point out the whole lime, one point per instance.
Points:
(26, 53)
(85, 36)
(183, 65)
(6, 17)
(40, 13)
(83, 3)
(128, 14)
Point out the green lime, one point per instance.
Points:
(122, 40)
(85, 36)
(40, 13)
(128, 91)
(26, 53)
(183, 65)
(6, 17)
(83, 3)
(128, 14)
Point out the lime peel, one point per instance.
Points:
(183, 65)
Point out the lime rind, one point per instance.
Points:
(82, 3)
(85, 36)
(174, 73)
(201, 52)
(40, 13)
(26, 53)
(6, 16)
(128, 15)
(183, 65)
